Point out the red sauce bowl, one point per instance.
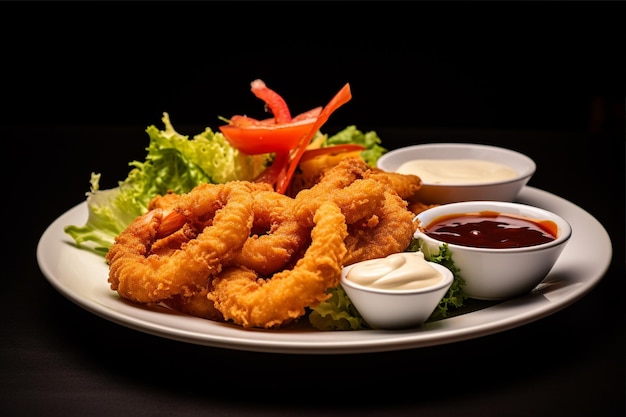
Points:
(502, 249)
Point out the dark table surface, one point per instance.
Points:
(59, 359)
(80, 89)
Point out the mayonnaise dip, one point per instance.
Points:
(457, 171)
(399, 271)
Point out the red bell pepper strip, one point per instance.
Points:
(273, 100)
(277, 134)
(343, 96)
(278, 168)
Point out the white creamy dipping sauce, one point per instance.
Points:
(399, 271)
(457, 171)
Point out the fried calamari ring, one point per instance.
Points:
(224, 215)
(250, 301)
(276, 237)
(389, 230)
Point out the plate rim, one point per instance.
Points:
(177, 326)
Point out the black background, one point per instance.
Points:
(535, 65)
(82, 81)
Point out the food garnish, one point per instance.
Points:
(286, 137)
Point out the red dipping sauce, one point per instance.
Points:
(490, 229)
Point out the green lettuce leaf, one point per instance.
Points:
(455, 297)
(174, 163)
(351, 135)
(337, 313)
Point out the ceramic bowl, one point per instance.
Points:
(397, 308)
(497, 273)
(456, 188)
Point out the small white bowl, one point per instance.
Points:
(500, 273)
(397, 309)
(441, 193)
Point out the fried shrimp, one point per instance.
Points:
(251, 301)
(216, 220)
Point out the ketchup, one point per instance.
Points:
(488, 229)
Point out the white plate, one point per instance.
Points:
(81, 276)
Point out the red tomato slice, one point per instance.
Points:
(311, 114)
(255, 139)
(278, 134)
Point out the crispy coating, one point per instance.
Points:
(197, 304)
(339, 174)
(405, 185)
(243, 253)
(250, 301)
(276, 238)
(378, 218)
(137, 274)
(350, 167)
(310, 171)
(389, 230)
(357, 200)
(343, 184)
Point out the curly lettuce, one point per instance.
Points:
(370, 140)
(455, 297)
(174, 163)
(337, 313)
